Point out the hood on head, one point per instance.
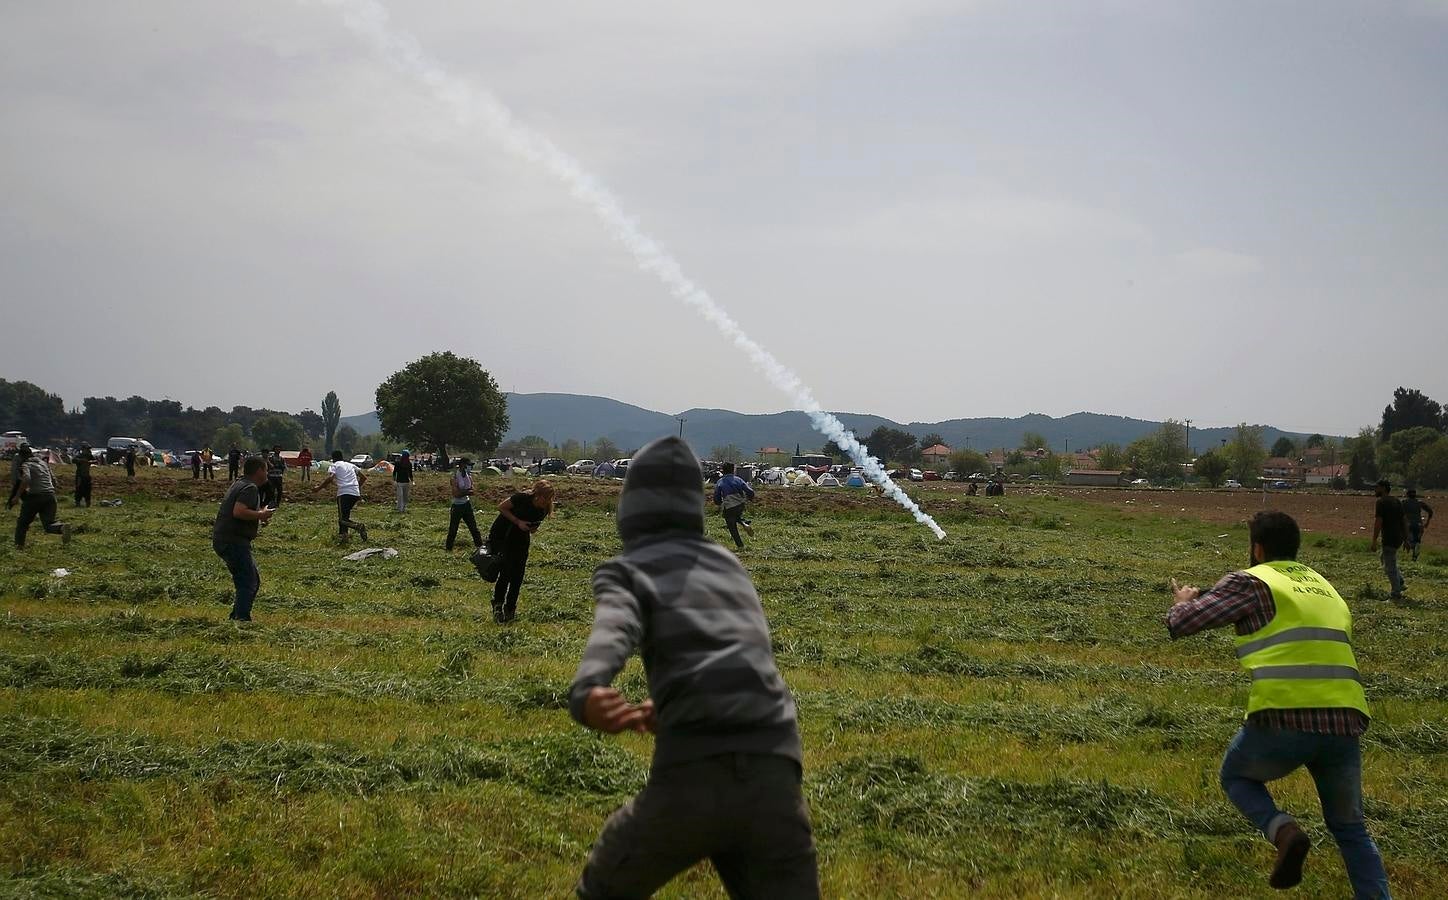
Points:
(662, 491)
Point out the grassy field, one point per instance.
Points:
(998, 714)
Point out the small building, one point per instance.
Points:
(1325, 474)
(1280, 468)
(1096, 477)
(936, 456)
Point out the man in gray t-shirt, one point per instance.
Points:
(37, 498)
(237, 521)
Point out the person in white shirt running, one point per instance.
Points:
(349, 480)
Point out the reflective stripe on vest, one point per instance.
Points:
(1305, 633)
(1303, 657)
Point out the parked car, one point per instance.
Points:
(930, 475)
(917, 475)
(582, 467)
(620, 467)
(363, 460)
(1281, 485)
(10, 441)
(1141, 482)
(1233, 483)
(1036, 477)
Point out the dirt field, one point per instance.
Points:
(1343, 513)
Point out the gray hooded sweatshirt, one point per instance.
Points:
(689, 608)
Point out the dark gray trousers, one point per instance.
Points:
(744, 812)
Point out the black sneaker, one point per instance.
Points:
(362, 530)
(1292, 846)
(499, 616)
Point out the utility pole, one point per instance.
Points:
(681, 426)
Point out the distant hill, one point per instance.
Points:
(559, 417)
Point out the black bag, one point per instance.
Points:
(487, 563)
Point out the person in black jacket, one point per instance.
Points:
(725, 780)
(511, 536)
(402, 483)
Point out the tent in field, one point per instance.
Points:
(801, 479)
(855, 480)
(828, 480)
(383, 466)
(491, 470)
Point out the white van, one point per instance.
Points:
(10, 441)
(116, 447)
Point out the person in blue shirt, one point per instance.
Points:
(730, 495)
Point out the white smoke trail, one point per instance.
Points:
(472, 105)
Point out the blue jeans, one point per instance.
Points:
(1258, 755)
(244, 575)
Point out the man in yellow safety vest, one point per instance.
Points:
(1306, 706)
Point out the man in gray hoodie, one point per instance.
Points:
(725, 779)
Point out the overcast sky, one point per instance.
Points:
(1207, 210)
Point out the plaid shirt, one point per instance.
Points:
(1245, 602)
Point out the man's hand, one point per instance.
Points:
(650, 722)
(264, 515)
(1183, 592)
(606, 710)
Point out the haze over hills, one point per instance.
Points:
(559, 417)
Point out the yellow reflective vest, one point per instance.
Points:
(1302, 658)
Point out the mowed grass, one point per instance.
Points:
(997, 714)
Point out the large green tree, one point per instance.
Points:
(331, 415)
(969, 462)
(277, 431)
(888, 444)
(443, 400)
(1284, 447)
(1033, 440)
(227, 435)
(1110, 457)
(605, 450)
(1429, 468)
(1247, 453)
(1397, 453)
(931, 439)
(1362, 459)
(347, 440)
(1411, 408)
(31, 409)
(1212, 467)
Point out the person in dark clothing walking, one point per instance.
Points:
(195, 465)
(276, 473)
(1413, 510)
(237, 520)
(233, 463)
(402, 484)
(37, 498)
(730, 495)
(1390, 524)
(511, 535)
(725, 780)
(461, 508)
(83, 462)
(131, 463)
